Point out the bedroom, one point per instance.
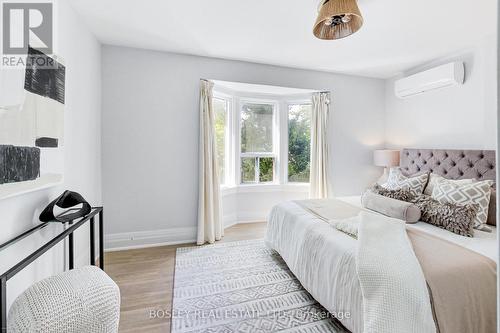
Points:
(288, 116)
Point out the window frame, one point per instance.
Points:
(276, 142)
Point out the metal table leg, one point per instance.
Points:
(71, 249)
(3, 304)
(92, 242)
(101, 239)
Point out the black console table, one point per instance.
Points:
(25, 248)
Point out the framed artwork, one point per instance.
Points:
(32, 131)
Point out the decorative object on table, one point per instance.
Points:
(66, 200)
(385, 158)
(337, 19)
(32, 133)
(79, 300)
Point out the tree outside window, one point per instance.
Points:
(299, 143)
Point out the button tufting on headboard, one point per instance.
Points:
(449, 163)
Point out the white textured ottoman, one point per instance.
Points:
(81, 300)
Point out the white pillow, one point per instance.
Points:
(397, 181)
(434, 178)
(474, 193)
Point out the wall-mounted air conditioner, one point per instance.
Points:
(452, 74)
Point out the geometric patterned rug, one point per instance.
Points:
(242, 287)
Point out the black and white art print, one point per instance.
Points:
(32, 130)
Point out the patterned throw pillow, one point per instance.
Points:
(475, 193)
(400, 194)
(398, 181)
(434, 178)
(456, 218)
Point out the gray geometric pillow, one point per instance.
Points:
(434, 178)
(477, 193)
(397, 181)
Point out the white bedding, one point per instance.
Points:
(328, 271)
(484, 243)
(395, 294)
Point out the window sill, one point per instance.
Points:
(260, 188)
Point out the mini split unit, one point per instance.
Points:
(449, 75)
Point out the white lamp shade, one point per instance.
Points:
(386, 158)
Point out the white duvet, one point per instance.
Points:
(324, 260)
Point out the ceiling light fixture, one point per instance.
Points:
(337, 19)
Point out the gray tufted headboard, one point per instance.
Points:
(450, 163)
(454, 164)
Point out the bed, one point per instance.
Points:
(324, 259)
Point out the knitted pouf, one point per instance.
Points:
(81, 300)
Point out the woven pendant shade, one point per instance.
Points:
(337, 19)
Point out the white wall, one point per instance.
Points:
(82, 137)
(150, 135)
(459, 117)
(247, 204)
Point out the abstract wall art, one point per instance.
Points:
(32, 133)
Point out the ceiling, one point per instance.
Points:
(397, 34)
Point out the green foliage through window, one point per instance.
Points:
(248, 165)
(220, 109)
(266, 169)
(257, 128)
(299, 143)
(251, 165)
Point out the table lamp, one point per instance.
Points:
(386, 158)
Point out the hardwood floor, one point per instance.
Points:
(145, 278)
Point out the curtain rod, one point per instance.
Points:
(317, 91)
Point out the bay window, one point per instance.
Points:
(262, 141)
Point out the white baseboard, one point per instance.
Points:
(172, 236)
(250, 217)
(230, 220)
(250, 222)
(153, 238)
(243, 218)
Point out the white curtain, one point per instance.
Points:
(319, 145)
(209, 209)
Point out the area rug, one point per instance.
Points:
(242, 287)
